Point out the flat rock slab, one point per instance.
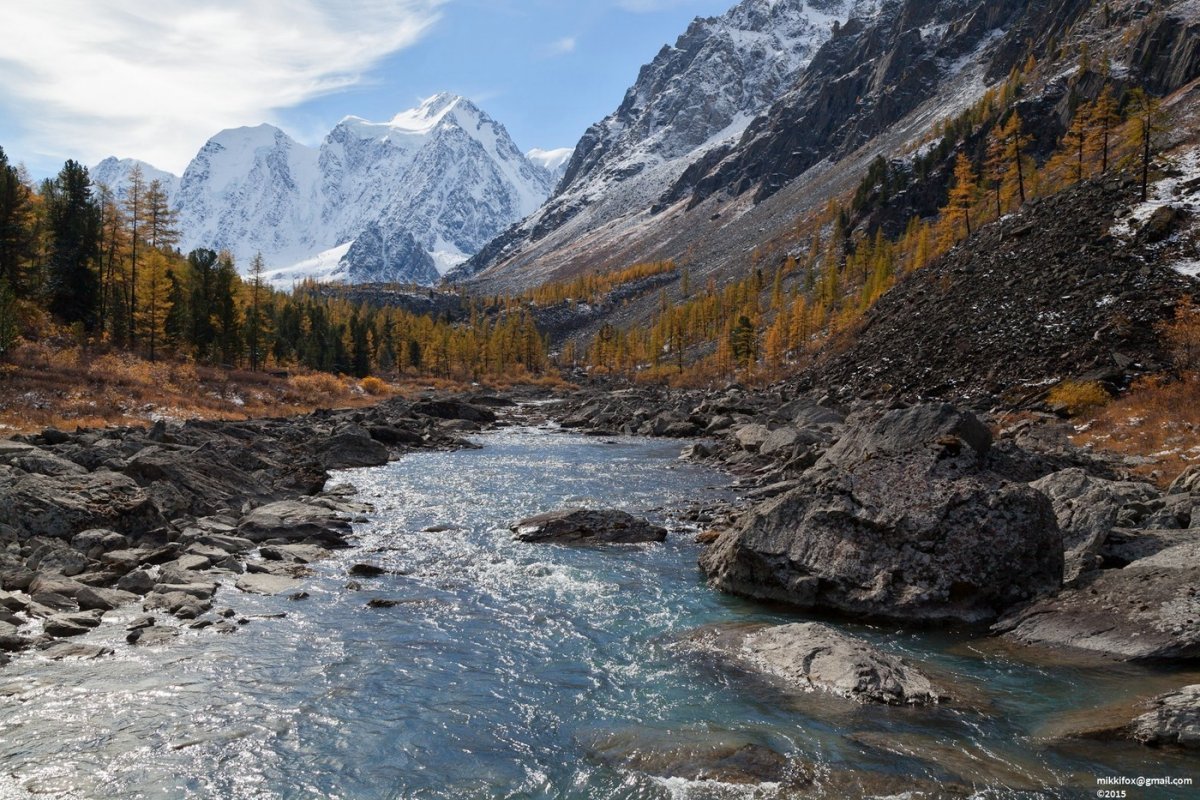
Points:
(809, 656)
(264, 583)
(582, 526)
(1173, 719)
(1130, 614)
(75, 650)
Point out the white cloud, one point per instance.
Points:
(561, 47)
(156, 79)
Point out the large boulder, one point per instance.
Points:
(1087, 509)
(60, 506)
(295, 521)
(454, 409)
(351, 447)
(810, 656)
(583, 526)
(900, 519)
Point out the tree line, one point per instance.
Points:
(104, 267)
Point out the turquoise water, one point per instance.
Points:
(508, 670)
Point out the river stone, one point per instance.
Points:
(579, 525)
(779, 439)
(54, 584)
(138, 581)
(751, 437)
(351, 447)
(1125, 547)
(454, 409)
(811, 656)
(900, 519)
(95, 543)
(1187, 483)
(294, 553)
(1135, 613)
(294, 520)
(1174, 719)
(1087, 509)
(64, 625)
(152, 636)
(181, 604)
(698, 755)
(76, 650)
(267, 584)
(96, 598)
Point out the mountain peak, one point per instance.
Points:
(432, 111)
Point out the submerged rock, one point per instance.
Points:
(900, 519)
(699, 756)
(810, 656)
(577, 525)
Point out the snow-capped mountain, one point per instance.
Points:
(701, 93)
(423, 192)
(114, 173)
(553, 161)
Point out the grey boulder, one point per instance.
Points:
(579, 525)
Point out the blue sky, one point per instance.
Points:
(87, 79)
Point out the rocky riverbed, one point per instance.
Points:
(916, 517)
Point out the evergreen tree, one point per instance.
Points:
(203, 264)
(743, 341)
(225, 311)
(177, 327)
(16, 226)
(74, 228)
(8, 318)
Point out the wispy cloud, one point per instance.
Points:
(561, 47)
(154, 80)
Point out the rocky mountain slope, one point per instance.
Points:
(693, 97)
(879, 86)
(402, 200)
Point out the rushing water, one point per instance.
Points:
(509, 670)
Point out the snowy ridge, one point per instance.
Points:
(114, 173)
(429, 188)
(696, 95)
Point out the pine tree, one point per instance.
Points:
(74, 227)
(203, 265)
(225, 312)
(16, 226)
(177, 326)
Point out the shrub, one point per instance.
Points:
(374, 386)
(317, 387)
(1078, 397)
(1182, 336)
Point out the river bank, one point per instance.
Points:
(184, 508)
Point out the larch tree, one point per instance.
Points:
(962, 194)
(134, 206)
(160, 223)
(153, 296)
(1015, 143)
(1104, 119)
(256, 318)
(1146, 118)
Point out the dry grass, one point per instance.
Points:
(55, 383)
(1078, 397)
(1157, 422)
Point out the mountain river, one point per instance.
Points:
(510, 670)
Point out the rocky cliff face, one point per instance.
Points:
(692, 97)
(878, 86)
